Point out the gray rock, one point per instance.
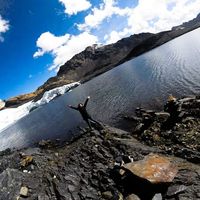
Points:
(31, 151)
(10, 183)
(132, 197)
(43, 197)
(71, 188)
(162, 116)
(187, 99)
(107, 195)
(139, 127)
(157, 197)
(175, 189)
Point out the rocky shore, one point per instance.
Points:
(177, 132)
(109, 163)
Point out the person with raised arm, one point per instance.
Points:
(83, 111)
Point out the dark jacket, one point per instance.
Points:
(82, 109)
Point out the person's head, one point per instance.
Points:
(80, 105)
(171, 98)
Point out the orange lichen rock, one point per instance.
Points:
(154, 168)
(26, 160)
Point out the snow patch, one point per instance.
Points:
(50, 95)
(11, 115)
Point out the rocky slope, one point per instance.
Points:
(176, 131)
(107, 163)
(96, 60)
(85, 169)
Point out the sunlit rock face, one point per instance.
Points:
(11, 115)
(153, 168)
(2, 104)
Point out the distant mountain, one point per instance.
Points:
(95, 60)
(195, 23)
(160, 38)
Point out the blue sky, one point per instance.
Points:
(37, 36)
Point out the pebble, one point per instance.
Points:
(56, 154)
(23, 191)
(157, 197)
(107, 195)
(132, 197)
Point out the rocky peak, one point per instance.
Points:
(95, 58)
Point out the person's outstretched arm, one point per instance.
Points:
(86, 101)
(72, 107)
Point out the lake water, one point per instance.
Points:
(173, 68)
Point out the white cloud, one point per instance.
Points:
(4, 26)
(155, 16)
(63, 48)
(114, 36)
(75, 6)
(48, 42)
(107, 9)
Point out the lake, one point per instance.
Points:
(173, 68)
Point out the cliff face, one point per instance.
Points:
(96, 60)
(192, 23)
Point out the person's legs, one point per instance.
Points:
(97, 125)
(88, 122)
(94, 121)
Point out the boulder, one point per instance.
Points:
(187, 99)
(153, 168)
(162, 116)
(174, 190)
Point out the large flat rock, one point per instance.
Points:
(154, 168)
